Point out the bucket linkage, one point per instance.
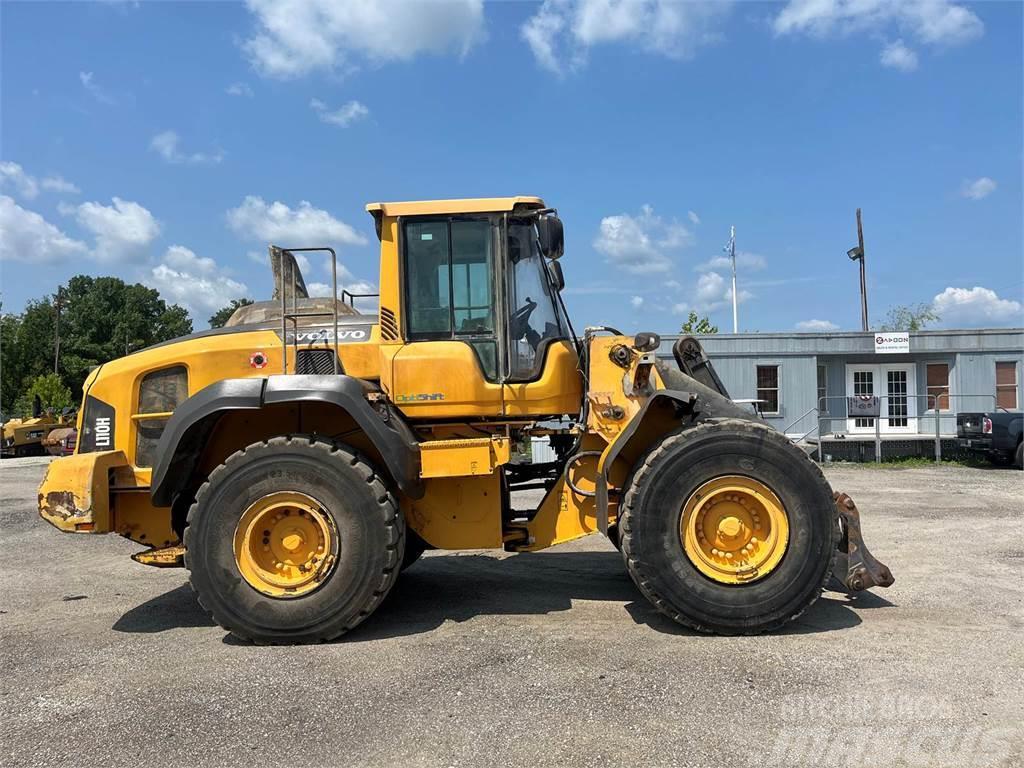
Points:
(856, 568)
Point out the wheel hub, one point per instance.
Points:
(734, 529)
(285, 544)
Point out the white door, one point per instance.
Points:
(896, 385)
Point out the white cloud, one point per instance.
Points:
(975, 307)
(167, 145)
(694, 218)
(344, 116)
(638, 244)
(712, 292)
(123, 230)
(194, 282)
(711, 289)
(348, 282)
(935, 22)
(276, 223)
(637, 302)
(12, 174)
(979, 188)
(60, 185)
(27, 186)
(26, 236)
(295, 37)
(897, 55)
(239, 89)
(816, 325)
(744, 261)
(89, 83)
(562, 31)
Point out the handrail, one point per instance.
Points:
(938, 413)
(808, 412)
(294, 315)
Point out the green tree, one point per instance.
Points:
(222, 315)
(104, 318)
(101, 318)
(698, 325)
(909, 317)
(53, 395)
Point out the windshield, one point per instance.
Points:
(534, 318)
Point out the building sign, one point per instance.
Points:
(892, 343)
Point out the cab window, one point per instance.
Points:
(449, 267)
(449, 284)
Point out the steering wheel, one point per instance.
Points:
(519, 323)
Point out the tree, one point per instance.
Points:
(699, 325)
(909, 317)
(53, 395)
(102, 318)
(222, 315)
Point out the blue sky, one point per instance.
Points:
(170, 142)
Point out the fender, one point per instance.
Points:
(192, 421)
(684, 398)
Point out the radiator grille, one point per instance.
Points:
(315, 361)
(388, 325)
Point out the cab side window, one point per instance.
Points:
(449, 287)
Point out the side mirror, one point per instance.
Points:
(555, 273)
(552, 238)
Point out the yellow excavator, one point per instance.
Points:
(298, 459)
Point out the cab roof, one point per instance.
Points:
(468, 205)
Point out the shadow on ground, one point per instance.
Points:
(457, 588)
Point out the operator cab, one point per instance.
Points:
(477, 295)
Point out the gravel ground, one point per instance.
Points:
(481, 658)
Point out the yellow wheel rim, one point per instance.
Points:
(285, 544)
(734, 529)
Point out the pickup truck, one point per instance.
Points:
(997, 434)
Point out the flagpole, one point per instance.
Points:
(732, 254)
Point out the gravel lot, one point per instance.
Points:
(549, 659)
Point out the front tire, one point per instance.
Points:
(293, 540)
(750, 476)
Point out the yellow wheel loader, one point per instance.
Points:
(24, 437)
(296, 460)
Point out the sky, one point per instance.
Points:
(170, 143)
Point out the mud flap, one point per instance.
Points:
(856, 568)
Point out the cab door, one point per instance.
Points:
(543, 377)
(449, 364)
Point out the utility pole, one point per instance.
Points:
(732, 255)
(857, 254)
(863, 276)
(56, 333)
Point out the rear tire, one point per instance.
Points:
(674, 472)
(356, 506)
(1019, 458)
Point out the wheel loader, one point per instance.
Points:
(298, 459)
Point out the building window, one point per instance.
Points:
(768, 388)
(938, 386)
(822, 388)
(1006, 385)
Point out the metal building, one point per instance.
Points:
(918, 381)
